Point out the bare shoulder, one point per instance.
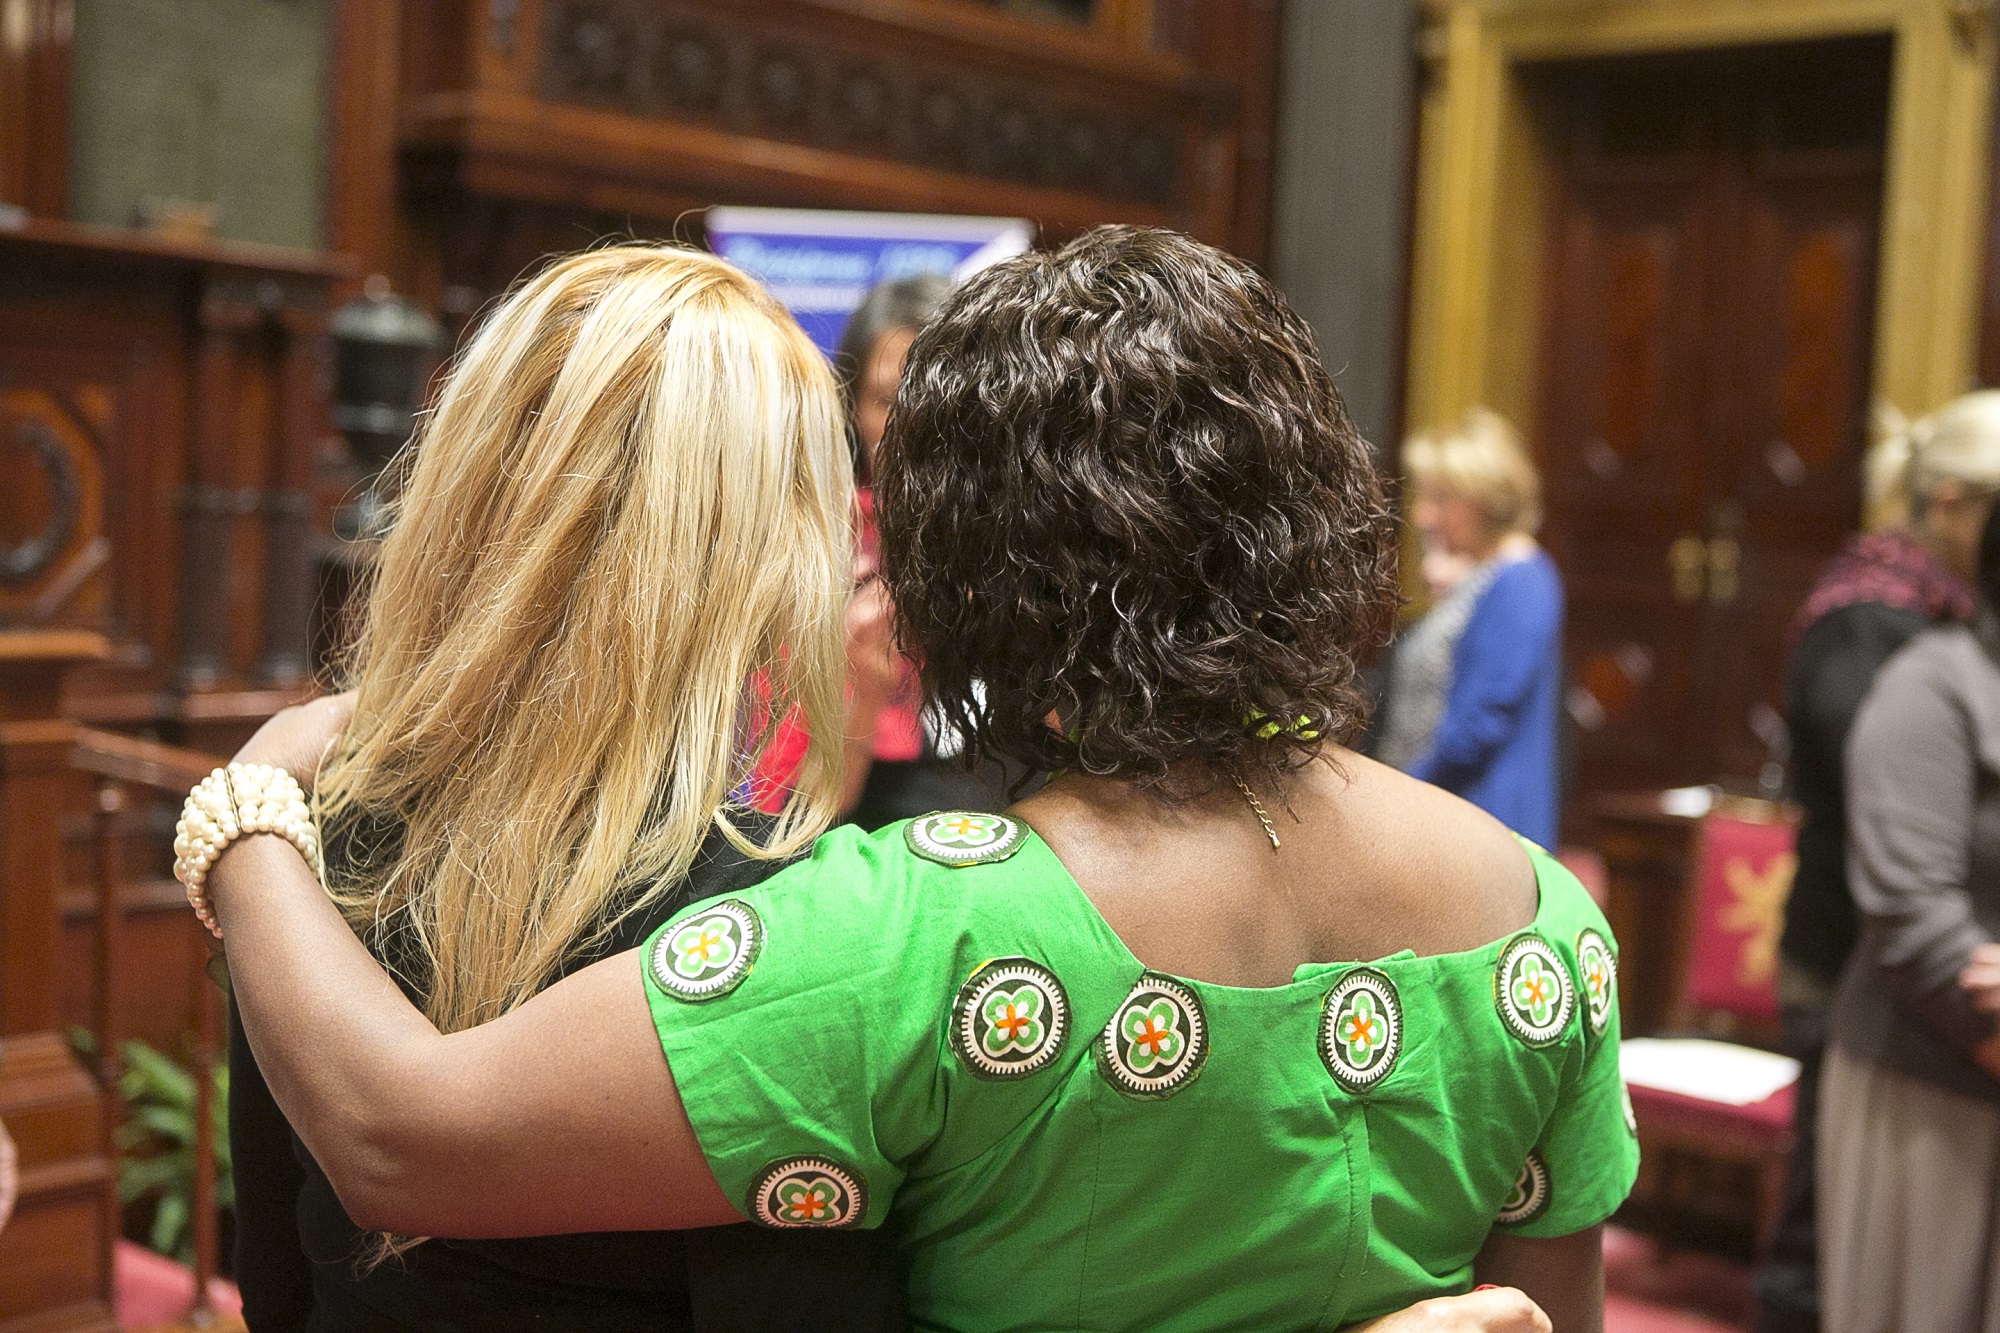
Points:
(1457, 877)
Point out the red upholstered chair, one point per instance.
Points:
(1741, 875)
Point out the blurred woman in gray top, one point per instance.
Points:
(1909, 1148)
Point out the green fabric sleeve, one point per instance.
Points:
(827, 1046)
(1589, 1147)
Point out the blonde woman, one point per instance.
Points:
(1475, 687)
(630, 500)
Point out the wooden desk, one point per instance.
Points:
(1647, 854)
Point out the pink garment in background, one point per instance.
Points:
(899, 730)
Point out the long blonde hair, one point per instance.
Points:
(630, 509)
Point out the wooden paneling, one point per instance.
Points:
(54, 1258)
(544, 125)
(161, 405)
(186, 385)
(362, 91)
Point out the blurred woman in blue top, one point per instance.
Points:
(1476, 685)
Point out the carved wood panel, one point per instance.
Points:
(51, 518)
(629, 116)
(725, 68)
(160, 411)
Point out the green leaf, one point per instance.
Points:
(151, 1076)
(156, 1157)
(168, 1223)
(168, 1122)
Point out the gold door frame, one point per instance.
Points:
(1476, 275)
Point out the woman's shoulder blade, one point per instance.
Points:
(1448, 855)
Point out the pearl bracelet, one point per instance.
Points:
(229, 803)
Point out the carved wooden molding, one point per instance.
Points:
(653, 108)
(27, 559)
(56, 502)
(730, 71)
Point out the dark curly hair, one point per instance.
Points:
(1126, 521)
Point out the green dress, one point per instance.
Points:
(932, 1026)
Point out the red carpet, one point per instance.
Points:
(152, 1289)
(1680, 1292)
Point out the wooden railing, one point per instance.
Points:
(119, 764)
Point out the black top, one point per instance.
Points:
(299, 1258)
(1834, 665)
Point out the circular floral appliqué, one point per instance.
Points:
(964, 837)
(1600, 979)
(1533, 990)
(1529, 1198)
(1156, 1042)
(807, 1192)
(708, 954)
(1361, 1029)
(1010, 1019)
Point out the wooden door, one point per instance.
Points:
(1707, 306)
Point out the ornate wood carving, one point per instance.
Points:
(627, 115)
(160, 405)
(737, 70)
(57, 463)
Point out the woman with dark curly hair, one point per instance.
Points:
(1097, 1061)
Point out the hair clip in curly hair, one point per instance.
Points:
(1302, 728)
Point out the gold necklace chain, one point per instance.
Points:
(1257, 809)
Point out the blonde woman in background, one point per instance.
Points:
(632, 499)
(1927, 487)
(1476, 685)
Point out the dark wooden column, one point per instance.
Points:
(213, 496)
(302, 355)
(361, 139)
(53, 1269)
(34, 106)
